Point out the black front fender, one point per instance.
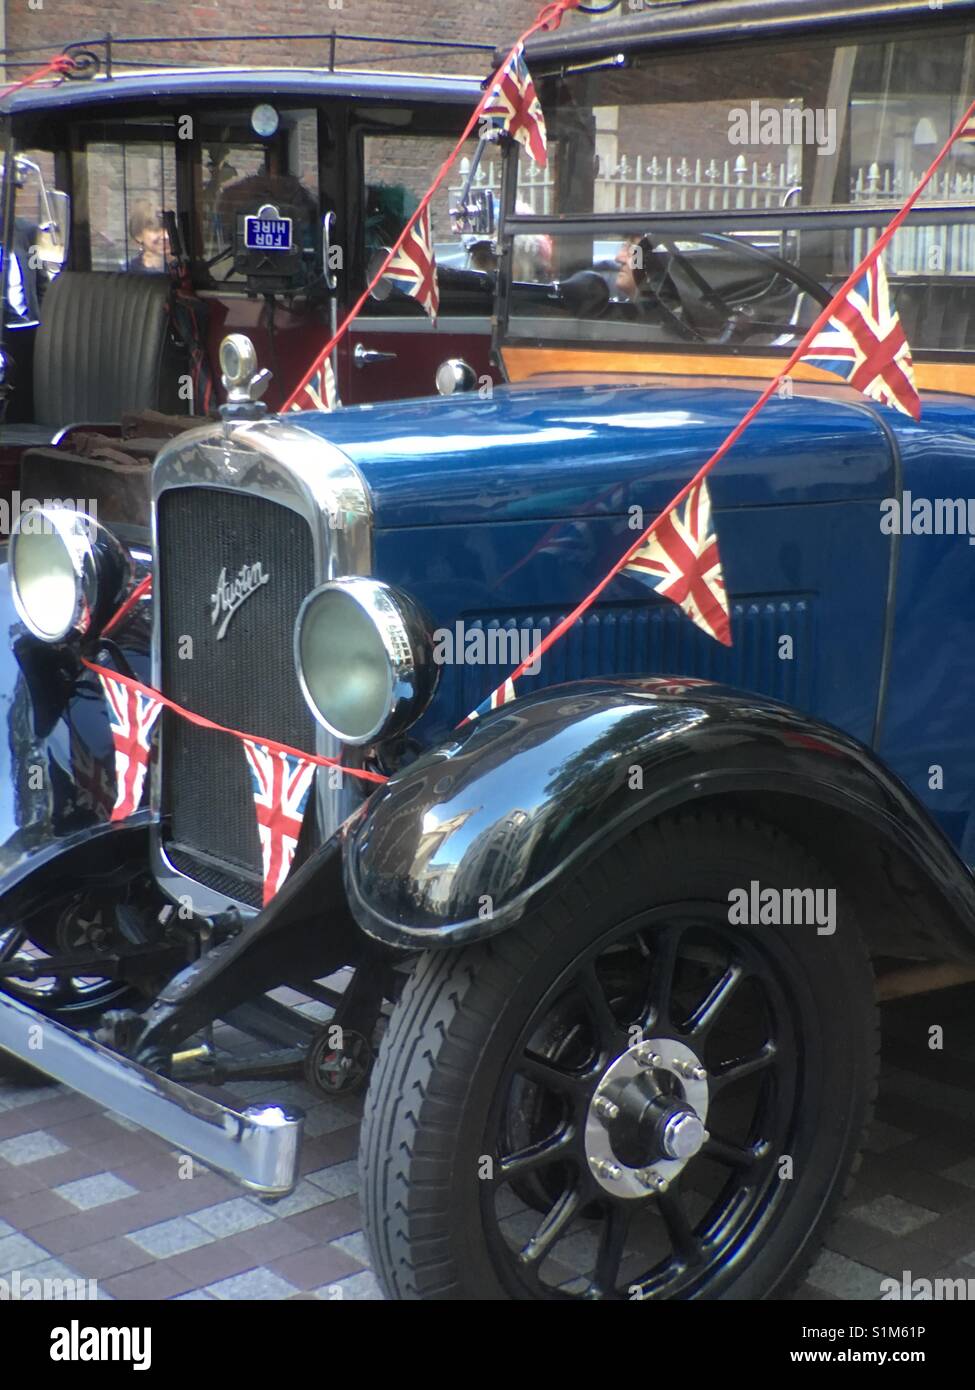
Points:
(458, 846)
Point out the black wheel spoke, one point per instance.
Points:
(728, 1073)
(609, 1256)
(550, 1075)
(663, 965)
(734, 1155)
(687, 1246)
(557, 1148)
(555, 1224)
(717, 999)
(12, 944)
(607, 1029)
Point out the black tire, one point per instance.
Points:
(447, 1093)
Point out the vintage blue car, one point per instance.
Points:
(614, 941)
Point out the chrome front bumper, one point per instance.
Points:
(259, 1146)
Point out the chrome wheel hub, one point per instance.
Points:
(647, 1117)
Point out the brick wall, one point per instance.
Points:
(49, 24)
(46, 26)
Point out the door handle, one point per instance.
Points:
(365, 357)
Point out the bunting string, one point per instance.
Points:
(200, 720)
(141, 590)
(61, 65)
(282, 774)
(505, 691)
(549, 17)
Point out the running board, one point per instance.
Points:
(259, 1146)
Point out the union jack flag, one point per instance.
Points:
(320, 391)
(865, 344)
(514, 100)
(504, 694)
(96, 791)
(664, 685)
(131, 716)
(280, 783)
(680, 560)
(414, 268)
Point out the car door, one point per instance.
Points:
(393, 348)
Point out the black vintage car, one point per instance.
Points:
(133, 217)
(612, 942)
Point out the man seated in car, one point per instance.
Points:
(635, 259)
(22, 303)
(22, 306)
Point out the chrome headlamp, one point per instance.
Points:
(67, 573)
(364, 656)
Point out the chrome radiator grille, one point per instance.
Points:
(244, 679)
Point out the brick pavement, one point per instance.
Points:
(86, 1196)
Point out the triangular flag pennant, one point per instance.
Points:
(413, 269)
(319, 391)
(504, 694)
(865, 344)
(280, 783)
(131, 716)
(96, 789)
(680, 560)
(513, 99)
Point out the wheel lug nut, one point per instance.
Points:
(655, 1181)
(698, 1074)
(646, 1056)
(605, 1108)
(603, 1168)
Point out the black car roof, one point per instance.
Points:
(321, 83)
(691, 21)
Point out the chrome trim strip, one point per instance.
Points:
(273, 458)
(473, 325)
(259, 1146)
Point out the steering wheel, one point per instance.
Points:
(215, 260)
(701, 311)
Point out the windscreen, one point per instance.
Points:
(807, 124)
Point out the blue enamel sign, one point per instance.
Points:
(267, 233)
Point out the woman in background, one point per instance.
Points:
(148, 231)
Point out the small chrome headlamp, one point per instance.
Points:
(455, 375)
(67, 573)
(364, 656)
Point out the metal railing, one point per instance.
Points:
(114, 50)
(680, 184)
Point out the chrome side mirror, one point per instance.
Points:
(382, 289)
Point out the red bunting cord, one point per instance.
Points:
(61, 65)
(203, 723)
(872, 255)
(549, 17)
(141, 589)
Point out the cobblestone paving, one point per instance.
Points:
(84, 1195)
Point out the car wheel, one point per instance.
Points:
(627, 1096)
(79, 1001)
